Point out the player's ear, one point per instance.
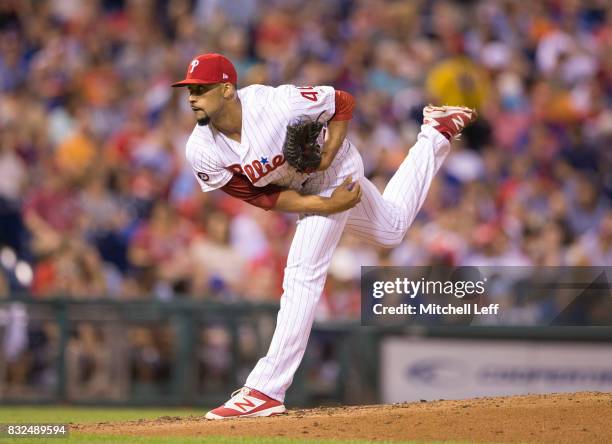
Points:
(229, 91)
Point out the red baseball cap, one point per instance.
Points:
(209, 68)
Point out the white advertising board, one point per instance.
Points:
(431, 369)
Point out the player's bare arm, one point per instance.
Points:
(343, 198)
(336, 133)
(273, 197)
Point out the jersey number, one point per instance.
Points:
(309, 94)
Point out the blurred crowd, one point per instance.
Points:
(97, 200)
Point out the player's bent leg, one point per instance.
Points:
(310, 254)
(410, 184)
(384, 220)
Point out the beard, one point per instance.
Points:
(204, 121)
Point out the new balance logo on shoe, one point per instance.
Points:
(457, 121)
(244, 404)
(448, 120)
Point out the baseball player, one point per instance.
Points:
(238, 146)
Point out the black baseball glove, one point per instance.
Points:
(301, 149)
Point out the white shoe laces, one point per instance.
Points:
(241, 391)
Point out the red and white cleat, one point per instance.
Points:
(448, 120)
(247, 403)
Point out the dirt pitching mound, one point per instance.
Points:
(554, 418)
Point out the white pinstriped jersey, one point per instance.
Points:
(266, 112)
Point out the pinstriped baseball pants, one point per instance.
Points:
(379, 219)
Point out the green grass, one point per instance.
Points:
(87, 414)
(57, 414)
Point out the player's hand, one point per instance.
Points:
(345, 197)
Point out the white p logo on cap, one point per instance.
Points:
(193, 64)
(225, 76)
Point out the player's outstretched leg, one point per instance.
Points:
(384, 220)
